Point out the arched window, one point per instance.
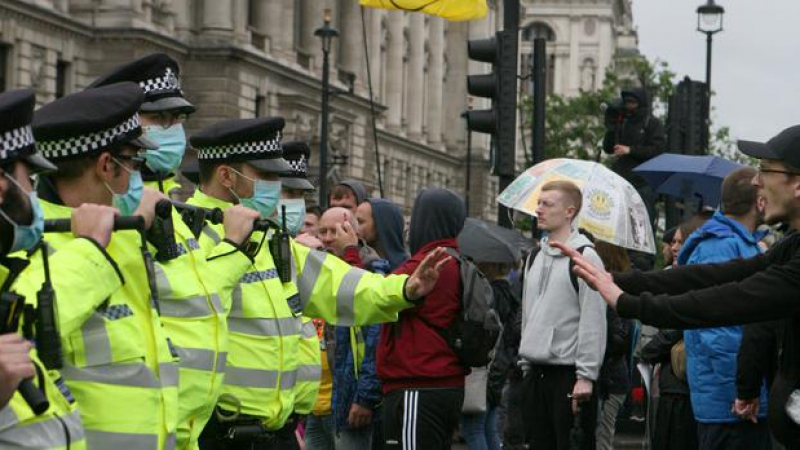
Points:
(529, 33)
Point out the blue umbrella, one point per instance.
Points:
(686, 176)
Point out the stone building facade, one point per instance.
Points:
(246, 58)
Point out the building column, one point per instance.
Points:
(240, 20)
(435, 80)
(394, 70)
(281, 26)
(415, 88)
(455, 87)
(183, 21)
(351, 45)
(375, 44)
(574, 57)
(218, 18)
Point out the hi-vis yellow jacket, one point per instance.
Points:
(60, 426)
(195, 321)
(117, 360)
(262, 370)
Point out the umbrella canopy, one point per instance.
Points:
(484, 242)
(612, 209)
(687, 176)
(449, 9)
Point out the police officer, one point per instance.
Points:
(117, 361)
(21, 228)
(188, 285)
(240, 162)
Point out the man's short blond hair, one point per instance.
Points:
(571, 192)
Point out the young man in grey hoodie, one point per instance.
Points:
(563, 330)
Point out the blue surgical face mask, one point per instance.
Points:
(171, 147)
(128, 201)
(295, 214)
(26, 236)
(266, 195)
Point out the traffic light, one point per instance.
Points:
(501, 87)
(686, 119)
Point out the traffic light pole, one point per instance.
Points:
(539, 97)
(511, 27)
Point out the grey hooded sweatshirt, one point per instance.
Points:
(560, 326)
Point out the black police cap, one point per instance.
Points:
(16, 135)
(87, 122)
(254, 141)
(158, 75)
(297, 154)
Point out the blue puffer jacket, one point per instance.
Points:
(711, 352)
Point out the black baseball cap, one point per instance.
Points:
(783, 147)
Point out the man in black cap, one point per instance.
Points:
(240, 162)
(117, 360)
(188, 284)
(762, 288)
(348, 194)
(21, 228)
(162, 114)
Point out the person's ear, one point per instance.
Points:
(104, 167)
(226, 176)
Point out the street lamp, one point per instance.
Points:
(326, 35)
(709, 21)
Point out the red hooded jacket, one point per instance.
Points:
(412, 353)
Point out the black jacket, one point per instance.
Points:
(614, 374)
(758, 289)
(507, 306)
(642, 132)
(659, 350)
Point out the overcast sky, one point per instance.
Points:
(756, 58)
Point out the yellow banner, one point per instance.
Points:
(448, 9)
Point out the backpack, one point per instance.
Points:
(476, 329)
(572, 277)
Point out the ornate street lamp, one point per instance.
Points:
(709, 21)
(326, 35)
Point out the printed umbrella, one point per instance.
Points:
(448, 9)
(612, 209)
(687, 176)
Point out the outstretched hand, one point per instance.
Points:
(598, 279)
(423, 280)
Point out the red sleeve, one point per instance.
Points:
(352, 256)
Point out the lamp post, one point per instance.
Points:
(326, 35)
(709, 21)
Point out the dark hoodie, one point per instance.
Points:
(389, 225)
(412, 353)
(642, 132)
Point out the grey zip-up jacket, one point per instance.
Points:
(560, 326)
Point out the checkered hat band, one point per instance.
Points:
(271, 148)
(299, 166)
(87, 143)
(167, 82)
(14, 140)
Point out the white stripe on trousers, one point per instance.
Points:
(410, 403)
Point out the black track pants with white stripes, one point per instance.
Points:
(421, 419)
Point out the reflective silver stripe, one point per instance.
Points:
(311, 270)
(236, 300)
(162, 285)
(213, 235)
(187, 308)
(45, 434)
(96, 345)
(288, 380)
(293, 265)
(222, 361)
(136, 374)
(345, 297)
(216, 302)
(309, 372)
(285, 326)
(171, 442)
(308, 330)
(7, 417)
(257, 378)
(169, 374)
(197, 358)
(120, 441)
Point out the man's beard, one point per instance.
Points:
(18, 208)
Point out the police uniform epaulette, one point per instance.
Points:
(158, 75)
(254, 141)
(16, 134)
(90, 121)
(297, 154)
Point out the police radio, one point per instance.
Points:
(162, 233)
(11, 306)
(48, 340)
(280, 247)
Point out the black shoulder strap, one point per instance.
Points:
(572, 277)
